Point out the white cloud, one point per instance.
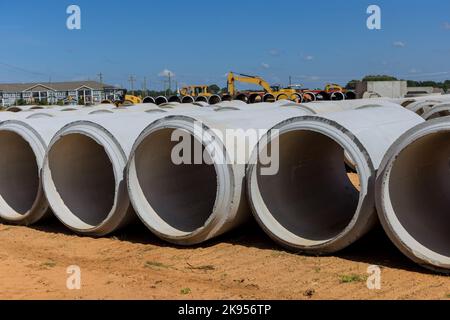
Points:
(166, 73)
(274, 52)
(446, 25)
(413, 71)
(399, 44)
(265, 65)
(309, 58)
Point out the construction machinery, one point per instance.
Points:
(196, 91)
(270, 92)
(125, 99)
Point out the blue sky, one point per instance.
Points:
(200, 41)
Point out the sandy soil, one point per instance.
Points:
(245, 264)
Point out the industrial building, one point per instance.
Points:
(90, 92)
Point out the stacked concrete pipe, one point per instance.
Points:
(438, 111)
(191, 203)
(311, 205)
(412, 194)
(86, 189)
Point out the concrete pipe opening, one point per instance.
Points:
(161, 100)
(255, 98)
(309, 97)
(227, 97)
(149, 100)
(80, 182)
(337, 96)
(242, 97)
(180, 202)
(437, 112)
(20, 185)
(297, 98)
(269, 98)
(323, 96)
(214, 99)
(174, 99)
(413, 194)
(313, 204)
(350, 95)
(201, 99)
(282, 96)
(187, 99)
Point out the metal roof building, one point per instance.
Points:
(87, 92)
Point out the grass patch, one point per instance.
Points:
(185, 291)
(203, 268)
(155, 264)
(49, 264)
(352, 278)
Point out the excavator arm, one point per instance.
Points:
(233, 77)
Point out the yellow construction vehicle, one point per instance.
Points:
(277, 92)
(125, 99)
(196, 91)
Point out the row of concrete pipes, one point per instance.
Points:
(96, 168)
(254, 98)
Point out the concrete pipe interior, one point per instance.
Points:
(148, 100)
(214, 99)
(175, 99)
(83, 177)
(350, 95)
(19, 175)
(227, 97)
(181, 196)
(201, 99)
(337, 96)
(269, 98)
(187, 99)
(419, 191)
(160, 100)
(312, 197)
(242, 97)
(255, 98)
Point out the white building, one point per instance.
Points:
(88, 92)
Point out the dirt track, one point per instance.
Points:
(135, 265)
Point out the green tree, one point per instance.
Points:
(214, 88)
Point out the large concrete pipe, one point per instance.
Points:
(438, 111)
(214, 99)
(311, 205)
(282, 96)
(174, 99)
(268, 97)
(255, 98)
(161, 100)
(309, 97)
(337, 96)
(297, 97)
(188, 99)
(189, 203)
(149, 100)
(227, 97)
(323, 96)
(23, 143)
(421, 107)
(413, 194)
(350, 95)
(86, 189)
(201, 99)
(242, 97)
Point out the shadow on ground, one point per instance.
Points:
(374, 249)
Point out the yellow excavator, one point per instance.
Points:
(196, 91)
(276, 91)
(124, 100)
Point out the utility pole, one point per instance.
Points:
(290, 81)
(132, 80)
(100, 77)
(145, 86)
(170, 81)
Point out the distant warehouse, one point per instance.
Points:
(85, 92)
